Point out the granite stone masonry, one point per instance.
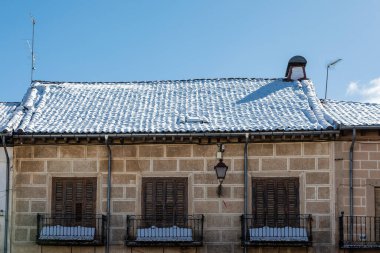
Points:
(36, 166)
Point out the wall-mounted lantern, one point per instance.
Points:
(220, 169)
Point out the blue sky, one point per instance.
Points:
(129, 40)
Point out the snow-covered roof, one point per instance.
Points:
(7, 113)
(200, 105)
(353, 113)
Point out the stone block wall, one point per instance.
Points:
(311, 162)
(366, 176)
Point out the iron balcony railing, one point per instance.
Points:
(55, 229)
(359, 232)
(183, 231)
(295, 230)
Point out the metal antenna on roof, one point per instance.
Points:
(31, 47)
(327, 74)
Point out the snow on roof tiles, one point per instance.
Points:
(7, 113)
(353, 113)
(201, 105)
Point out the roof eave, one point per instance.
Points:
(159, 135)
(360, 127)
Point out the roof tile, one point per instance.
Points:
(201, 105)
(7, 112)
(353, 113)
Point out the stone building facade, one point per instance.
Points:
(365, 185)
(164, 138)
(311, 162)
(365, 171)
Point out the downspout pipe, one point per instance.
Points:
(245, 189)
(109, 151)
(6, 222)
(351, 178)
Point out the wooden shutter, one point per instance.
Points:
(89, 201)
(293, 201)
(74, 198)
(160, 200)
(377, 201)
(170, 200)
(148, 201)
(180, 198)
(58, 200)
(164, 200)
(281, 203)
(377, 214)
(270, 202)
(69, 198)
(259, 199)
(275, 201)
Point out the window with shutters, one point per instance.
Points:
(377, 214)
(74, 199)
(164, 201)
(377, 201)
(275, 202)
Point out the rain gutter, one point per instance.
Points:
(159, 135)
(373, 127)
(245, 188)
(351, 178)
(109, 151)
(6, 222)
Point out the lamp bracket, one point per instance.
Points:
(219, 190)
(219, 153)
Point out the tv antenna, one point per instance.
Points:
(327, 73)
(31, 47)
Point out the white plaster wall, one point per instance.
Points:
(3, 167)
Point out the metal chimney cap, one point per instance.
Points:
(298, 59)
(295, 61)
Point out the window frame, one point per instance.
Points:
(81, 203)
(164, 180)
(291, 211)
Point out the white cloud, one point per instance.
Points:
(352, 88)
(367, 92)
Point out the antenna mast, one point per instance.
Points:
(327, 73)
(32, 50)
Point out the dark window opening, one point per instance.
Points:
(377, 214)
(164, 201)
(73, 219)
(74, 199)
(275, 202)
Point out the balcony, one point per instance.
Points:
(359, 232)
(71, 230)
(184, 231)
(290, 231)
